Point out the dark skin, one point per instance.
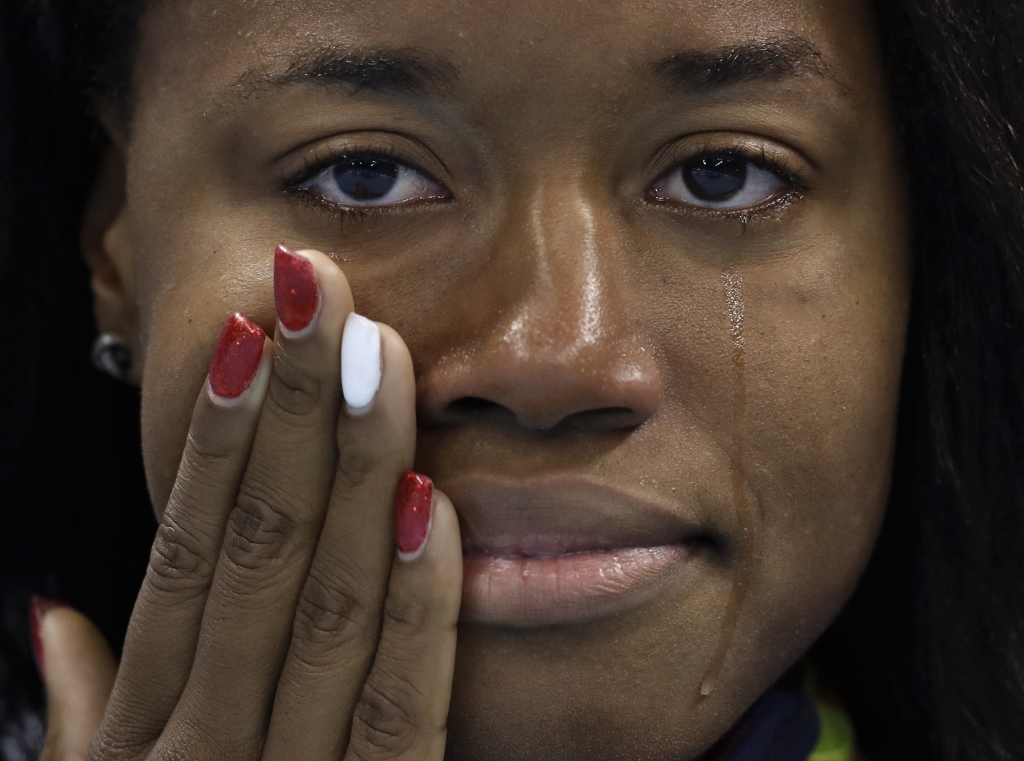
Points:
(567, 310)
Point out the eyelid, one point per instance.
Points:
(788, 163)
(304, 163)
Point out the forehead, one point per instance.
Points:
(493, 46)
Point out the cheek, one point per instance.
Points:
(822, 375)
(791, 365)
(192, 280)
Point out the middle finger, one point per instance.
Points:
(338, 619)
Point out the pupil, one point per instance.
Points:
(366, 179)
(715, 178)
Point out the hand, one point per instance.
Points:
(276, 620)
(78, 670)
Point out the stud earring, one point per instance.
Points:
(111, 355)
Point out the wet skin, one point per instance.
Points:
(568, 318)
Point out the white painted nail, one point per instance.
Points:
(360, 363)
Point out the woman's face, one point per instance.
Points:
(651, 262)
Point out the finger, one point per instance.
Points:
(78, 670)
(337, 619)
(403, 706)
(161, 638)
(272, 529)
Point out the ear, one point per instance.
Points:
(106, 246)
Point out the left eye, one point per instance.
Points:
(372, 181)
(719, 182)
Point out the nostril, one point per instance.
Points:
(605, 419)
(472, 404)
(608, 388)
(467, 408)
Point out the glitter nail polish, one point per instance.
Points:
(296, 292)
(412, 514)
(236, 358)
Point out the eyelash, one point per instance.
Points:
(317, 163)
(314, 165)
(760, 159)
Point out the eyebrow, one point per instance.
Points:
(411, 73)
(394, 72)
(768, 60)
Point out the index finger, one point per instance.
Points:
(161, 639)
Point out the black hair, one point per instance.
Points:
(928, 654)
(930, 650)
(75, 518)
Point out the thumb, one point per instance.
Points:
(78, 670)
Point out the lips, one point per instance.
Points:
(553, 551)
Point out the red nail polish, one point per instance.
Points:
(237, 357)
(296, 293)
(38, 607)
(412, 512)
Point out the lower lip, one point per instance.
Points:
(530, 591)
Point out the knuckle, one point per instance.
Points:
(201, 456)
(406, 615)
(112, 743)
(173, 753)
(191, 749)
(294, 391)
(329, 616)
(177, 562)
(354, 465)
(384, 720)
(196, 734)
(258, 531)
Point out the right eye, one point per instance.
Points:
(364, 180)
(719, 181)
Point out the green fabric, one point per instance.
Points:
(836, 741)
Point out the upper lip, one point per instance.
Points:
(552, 516)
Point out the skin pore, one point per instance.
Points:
(570, 312)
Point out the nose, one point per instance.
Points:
(560, 344)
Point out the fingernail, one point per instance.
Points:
(38, 607)
(296, 293)
(236, 358)
(412, 514)
(360, 363)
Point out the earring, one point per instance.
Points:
(111, 355)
